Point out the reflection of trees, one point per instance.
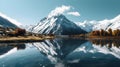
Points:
(104, 42)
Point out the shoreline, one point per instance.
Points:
(104, 37)
(24, 39)
(27, 39)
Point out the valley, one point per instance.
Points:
(75, 34)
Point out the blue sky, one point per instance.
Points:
(31, 11)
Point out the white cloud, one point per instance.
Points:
(74, 13)
(59, 10)
(10, 19)
(63, 9)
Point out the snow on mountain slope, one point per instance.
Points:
(115, 23)
(87, 25)
(89, 50)
(106, 24)
(28, 27)
(97, 25)
(6, 21)
(58, 48)
(57, 24)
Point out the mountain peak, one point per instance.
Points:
(58, 25)
(57, 16)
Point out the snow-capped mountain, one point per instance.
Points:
(87, 25)
(97, 25)
(6, 21)
(58, 48)
(75, 50)
(57, 24)
(88, 51)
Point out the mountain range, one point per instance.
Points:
(60, 25)
(97, 25)
(75, 50)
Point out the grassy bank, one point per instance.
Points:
(24, 39)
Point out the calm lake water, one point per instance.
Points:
(61, 53)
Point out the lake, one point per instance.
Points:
(62, 52)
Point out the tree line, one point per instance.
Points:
(109, 32)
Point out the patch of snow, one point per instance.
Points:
(103, 24)
(10, 19)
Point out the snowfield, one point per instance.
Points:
(97, 25)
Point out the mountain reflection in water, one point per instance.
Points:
(61, 53)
